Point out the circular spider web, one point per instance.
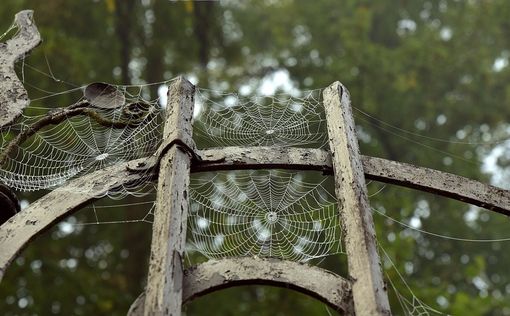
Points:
(228, 119)
(79, 144)
(265, 213)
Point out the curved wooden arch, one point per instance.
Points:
(18, 231)
(215, 275)
(40, 215)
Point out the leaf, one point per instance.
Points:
(137, 110)
(104, 95)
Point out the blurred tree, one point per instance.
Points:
(430, 81)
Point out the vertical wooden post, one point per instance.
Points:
(369, 292)
(164, 284)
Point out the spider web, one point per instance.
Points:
(230, 119)
(270, 213)
(411, 305)
(79, 144)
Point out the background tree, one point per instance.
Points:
(430, 83)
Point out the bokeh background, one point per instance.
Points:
(430, 84)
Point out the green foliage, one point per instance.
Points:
(428, 68)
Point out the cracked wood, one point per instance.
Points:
(368, 289)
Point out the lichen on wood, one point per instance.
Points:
(13, 96)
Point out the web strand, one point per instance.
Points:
(265, 213)
(233, 120)
(80, 144)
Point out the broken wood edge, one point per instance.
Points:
(13, 95)
(27, 224)
(215, 275)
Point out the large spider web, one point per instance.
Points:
(230, 119)
(79, 144)
(271, 213)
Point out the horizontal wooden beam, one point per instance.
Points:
(236, 158)
(215, 275)
(438, 182)
(379, 169)
(24, 226)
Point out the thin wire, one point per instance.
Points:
(95, 213)
(423, 145)
(111, 222)
(415, 298)
(440, 235)
(378, 191)
(443, 140)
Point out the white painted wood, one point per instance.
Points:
(164, 282)
(215, 275)
(369, 292)
(13, 96)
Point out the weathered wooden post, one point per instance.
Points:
(368, 289)
(164, 285)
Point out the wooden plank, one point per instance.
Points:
(237, 158)
(13, 96)
(164, 282)
(438, 182)
(215, 275)
(369, 292)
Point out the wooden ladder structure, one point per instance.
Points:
(164, 291)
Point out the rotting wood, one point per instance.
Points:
(13, 96)
(369, 292)
(13, 239)
(164, 282)
(59, 203)
(215, 275)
